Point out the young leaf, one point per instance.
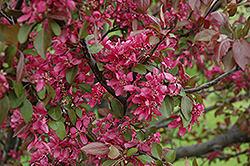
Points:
(71, 73)
(42, 42)
(220, 17)
(4, 108)
(41, 94)
(186, 107)
(85, 87)
(117, 108)
(221, 49)
(132, 151)
(139, 68)
(241, 50)
(204, 35)
(21, 69)
(145, 159)
(96, 148)
(170, 156)
(55, 27)
(55, 113)
(50, 90)
(27, 111)
(23, 32)
(114, 152)
(10, 34)
(156, 150)
(72, 115)
(22, 128)
(140, 136)
(191, 82)
(167, 106)
(79, 112)
(143, 5)
(228, 61)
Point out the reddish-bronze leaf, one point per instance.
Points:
(28, 140)
(241, 50)
(243, 126)
(143, 5)
(194, 4)
(58, 16)
(183, 23)
(103, 111)
(161, 15)
(221, 49)
(96, 148)
(157, 22)
(228, 61)
(21, 69)
(22, 128)
(220, 17)
(204, 35)
(134, 24)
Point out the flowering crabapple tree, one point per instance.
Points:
(104, 82)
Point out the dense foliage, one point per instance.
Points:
(90, 82)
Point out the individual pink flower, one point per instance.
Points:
(178, 122)
(4, 86)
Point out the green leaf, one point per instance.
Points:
(191, 82)
(127, 135)
(26, 110)
(139, 68)
(79, 112)
(95, 48)
(156, 150)
(51, 90)
(42, 42)
(23, 32)
(55, 27)
(150, 131)
(85, 87)
(83, 31)
(170, 156)
(117, 108)
(72, 115)
(9, 55)
(86, 107)
(140, 136)
(4, 108)
(30, 51)
(108, 162)
(198, 97)
(18, 89)
(182, 92)
(89, 37)
(186, 107)
(60, 131)
(71, 73)
(186, 122)
(16, 101)
(167, 106)
(41, 94)
(132, 151)
(55, 113)
(53, 125)
(130, 164)
(145, 159)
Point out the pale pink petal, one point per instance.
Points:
(41, 6)
(71, 4)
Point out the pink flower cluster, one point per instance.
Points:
(4, 85)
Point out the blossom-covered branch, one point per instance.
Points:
(98, 74)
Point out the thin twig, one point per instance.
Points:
(98, 74)
(213, 82)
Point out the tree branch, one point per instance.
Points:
(213, 82)
(98, 74)
(233, 135)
